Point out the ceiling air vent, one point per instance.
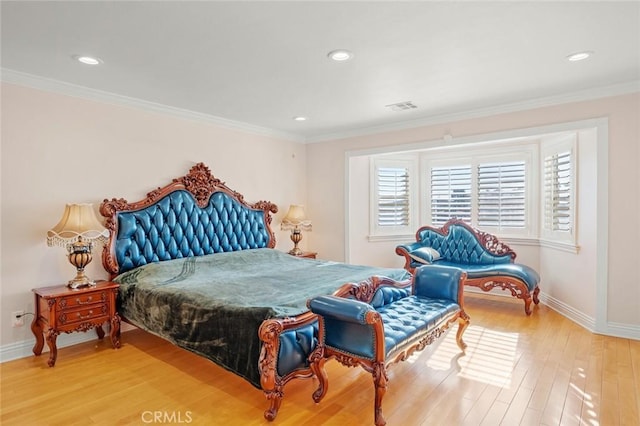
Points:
(402, 106)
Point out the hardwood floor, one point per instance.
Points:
(518, 370)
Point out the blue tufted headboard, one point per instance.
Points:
(194, 215)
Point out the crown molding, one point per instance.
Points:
(583, 95)
(57, 86)
(51, 85)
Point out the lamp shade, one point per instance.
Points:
(78, 220)
(296, 218)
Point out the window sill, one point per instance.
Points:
(520, 241)
(560, 245)
(400, 238)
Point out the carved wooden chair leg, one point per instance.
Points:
(527, 304)
(536, 300)
(316, 361)
(380, 383)
(275, 400)
(463, 323)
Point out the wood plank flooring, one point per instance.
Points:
(517, 370)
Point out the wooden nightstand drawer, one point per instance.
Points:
(87, 313)
(82, 299)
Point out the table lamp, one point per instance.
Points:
(76, 231)
(295, 220)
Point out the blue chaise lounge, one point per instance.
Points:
(488, 262)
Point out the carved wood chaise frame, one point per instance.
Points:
(493, 245)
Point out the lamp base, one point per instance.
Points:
(295, 251)
(296, 236)
(81, 280)
(80, 256)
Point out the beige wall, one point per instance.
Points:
(326, 188)
(58, 149)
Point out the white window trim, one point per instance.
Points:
(377, 233)
(566, 241)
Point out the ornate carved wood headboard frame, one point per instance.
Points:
(194, 215)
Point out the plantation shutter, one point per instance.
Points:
(501, 195)
(558, 189)
(450, 194)
(393, 196)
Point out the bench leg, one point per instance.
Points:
(463, 323)
(536, 300)
(527, 305)
(529, 298)
(380, 383)
(316, 362)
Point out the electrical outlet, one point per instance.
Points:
(17, 318)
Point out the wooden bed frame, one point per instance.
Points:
(202, 184)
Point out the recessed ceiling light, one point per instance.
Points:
(579, 56)
(340, 55)
(88, 60)
(300, 118)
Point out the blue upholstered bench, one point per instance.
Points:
(488, 262)
(379, 322)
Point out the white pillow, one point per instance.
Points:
(425, 255)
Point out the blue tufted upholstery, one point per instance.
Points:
(459, 246)
(404, 318)
(515, 270)
(384, 325)
(385, 295)
(488, 262)
(295, 347)
(176, 227)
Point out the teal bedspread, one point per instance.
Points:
(213, 305)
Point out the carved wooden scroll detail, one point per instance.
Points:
(201, 183)
(365, 290)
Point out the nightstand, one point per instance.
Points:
(60, 309)
(307, 254)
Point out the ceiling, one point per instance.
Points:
(258, 64)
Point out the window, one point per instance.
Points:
(489, 189)
(393, 195)
(522, 189)
(450, 193)
(558, 187)
(501, 195)
(557, 190)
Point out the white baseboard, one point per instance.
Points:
(24, 348)
(613, 329)
(626, 331)
(567, 311)
(623, 330)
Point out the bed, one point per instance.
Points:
(197, 266)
